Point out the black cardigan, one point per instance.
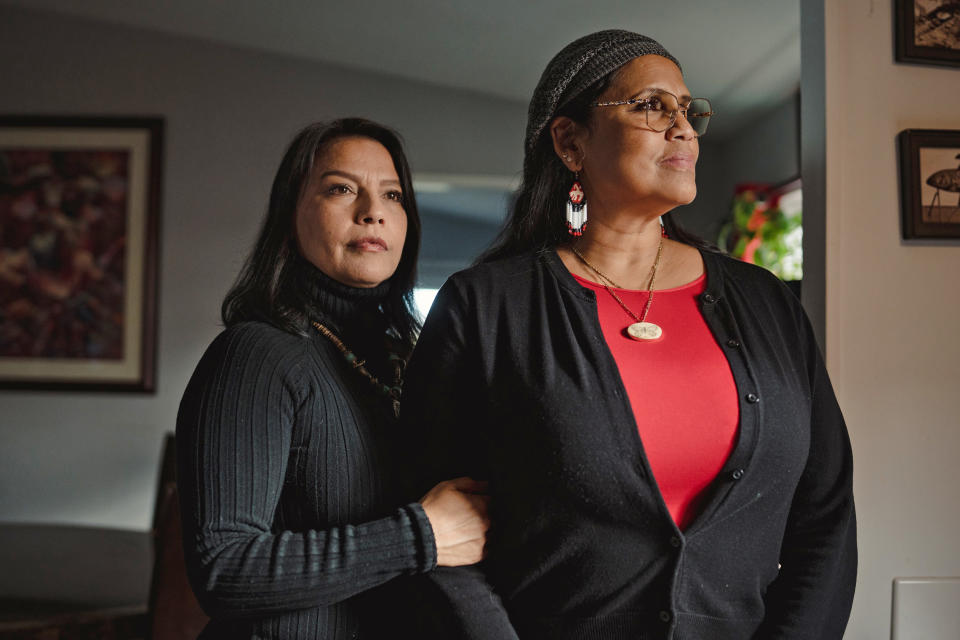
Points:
(288, 473)
(512, 381)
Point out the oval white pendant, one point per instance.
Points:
(644, 331)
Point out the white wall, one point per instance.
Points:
(892, 312)
(92, 458)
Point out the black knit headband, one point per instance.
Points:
(579, 65)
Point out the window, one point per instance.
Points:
(423, 298)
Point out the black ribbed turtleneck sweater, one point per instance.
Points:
(291, 508)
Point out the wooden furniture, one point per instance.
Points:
(73, 583)
(174, 611)
(84, 583)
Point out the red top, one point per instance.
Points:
(681, 389)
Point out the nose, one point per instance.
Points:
(681, 129)
(370, 210)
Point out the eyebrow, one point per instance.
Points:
(355, 178)
(645, 89)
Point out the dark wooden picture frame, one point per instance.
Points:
(936, 41)
(929, 182)
(79, 246)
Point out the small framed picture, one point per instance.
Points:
(928, 31)
(930, 183)
(79, 225)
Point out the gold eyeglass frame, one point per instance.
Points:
(673, 114)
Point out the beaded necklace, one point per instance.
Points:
(390, 391)
(640, 330)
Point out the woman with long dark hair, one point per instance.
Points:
(665, 454)
(290, 481)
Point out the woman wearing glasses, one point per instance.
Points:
(665, 455)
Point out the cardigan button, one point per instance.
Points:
(733, 343)
(753, 398)
(675, 541)
(665, 616)
(736, 474)
(709, 299)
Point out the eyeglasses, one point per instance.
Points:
(660, 108)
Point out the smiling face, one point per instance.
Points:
(624, 162)
(350, 222)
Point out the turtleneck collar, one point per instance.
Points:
(345, 306)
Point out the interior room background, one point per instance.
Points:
(886, 309)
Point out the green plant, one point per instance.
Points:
(763, 232)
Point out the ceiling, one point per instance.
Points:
(744, 55)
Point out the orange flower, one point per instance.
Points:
(757, 219)
(751, 249)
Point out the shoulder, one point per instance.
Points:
(487, 292)
(254, 350)
(760, 300)
(260, 338)
(495, 271)
(750, 280)
(495, 279)
(740, 270)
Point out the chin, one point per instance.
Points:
(367, 270)
(368, 281)
(369, 278)
(690, 198)
(679, 197)
(679, 188)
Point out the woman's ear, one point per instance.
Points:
(565, 134)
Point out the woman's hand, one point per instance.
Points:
(457, 510)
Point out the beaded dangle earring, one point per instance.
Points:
(576, 208)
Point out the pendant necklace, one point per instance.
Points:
(641, 330)
(392, 392)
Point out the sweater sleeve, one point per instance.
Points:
(812, 596)
(440, 387)
(234, 431)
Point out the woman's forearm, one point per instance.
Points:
(238, 570)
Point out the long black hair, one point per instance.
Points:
(265, 290)
(537, 218)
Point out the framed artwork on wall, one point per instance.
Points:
(927, 31)
(79, 235)
(930, 183)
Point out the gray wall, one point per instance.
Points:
(91, 458)
(442, 257)
(766, 150)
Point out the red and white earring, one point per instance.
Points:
(663, 229)
(576, 208)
